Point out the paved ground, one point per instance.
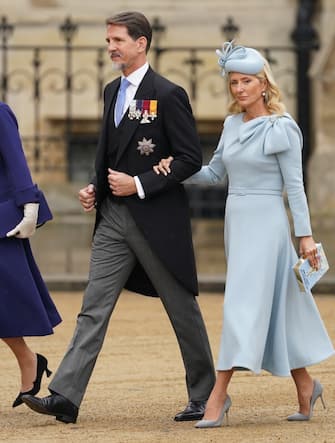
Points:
(138, 385)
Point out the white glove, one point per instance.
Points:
(27, 226)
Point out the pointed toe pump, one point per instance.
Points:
(219, 421)
(42, 366)
(317, 393)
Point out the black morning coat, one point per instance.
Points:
(163, 216)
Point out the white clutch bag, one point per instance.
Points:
(308, 276)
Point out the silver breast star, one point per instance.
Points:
(146, 147)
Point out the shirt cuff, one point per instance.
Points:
(139, 188)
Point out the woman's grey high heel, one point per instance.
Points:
(219, 421)
(317, 392)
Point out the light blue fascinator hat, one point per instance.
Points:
(239, 59)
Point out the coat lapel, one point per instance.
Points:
(109, 100)
(102, 144)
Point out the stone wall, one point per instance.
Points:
(321, 171)
(188, 23)
(195, 23)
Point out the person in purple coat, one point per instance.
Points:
(26, 308)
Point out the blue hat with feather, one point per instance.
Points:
(239, 59)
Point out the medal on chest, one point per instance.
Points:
(143, 110)
(146, 147)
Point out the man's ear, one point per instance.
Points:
(142, 43)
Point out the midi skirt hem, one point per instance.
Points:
(246, 367)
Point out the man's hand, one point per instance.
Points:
(87, 197)
(121, 184)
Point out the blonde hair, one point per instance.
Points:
(272, 97)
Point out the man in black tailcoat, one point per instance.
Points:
(142, 239)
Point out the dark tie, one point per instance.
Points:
(120, 100)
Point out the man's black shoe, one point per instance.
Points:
(194, 411)
(63, 409)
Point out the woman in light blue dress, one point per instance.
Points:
(268, 324)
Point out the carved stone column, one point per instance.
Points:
(321, 190)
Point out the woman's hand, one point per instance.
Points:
(163, 166)
(27, 226)
(307, 249)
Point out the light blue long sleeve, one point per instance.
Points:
(213, 173)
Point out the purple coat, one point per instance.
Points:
(26, 308)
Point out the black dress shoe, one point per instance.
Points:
(62, 408)
(194, 411)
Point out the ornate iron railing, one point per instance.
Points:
(56, 90)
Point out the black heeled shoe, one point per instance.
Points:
(42, 365)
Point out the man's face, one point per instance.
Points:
(126, 54)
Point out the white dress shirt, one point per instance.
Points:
(135, 79)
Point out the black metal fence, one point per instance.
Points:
(58, 89)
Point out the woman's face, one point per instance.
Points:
(246, 89)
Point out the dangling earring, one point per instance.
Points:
(264, 96)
